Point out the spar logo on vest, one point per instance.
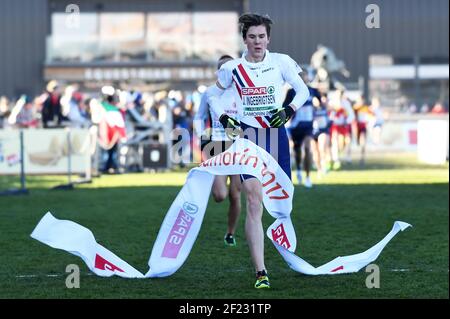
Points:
(180, 230)
(258, 101)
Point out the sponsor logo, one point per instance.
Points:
(102, 264)
(190, 208)
(12, 159)
(270, 186)
(258, 96)
(177, 235)
(258, 110)
(267, 70)
(254, 91)
(279, 235)
(230, 112)
(338, 268)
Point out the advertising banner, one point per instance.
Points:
(9, 152)
(45, 151)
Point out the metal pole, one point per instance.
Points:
(69, 161)
(418, 95)
(22, 163)
(361, 86)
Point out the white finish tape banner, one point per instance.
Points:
(183, 221)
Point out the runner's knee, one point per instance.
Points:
(235, 196)
(254, 203)
(219, 195)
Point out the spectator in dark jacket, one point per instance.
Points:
(51, 110)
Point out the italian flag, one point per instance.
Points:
(112, 125)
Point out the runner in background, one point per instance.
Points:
(217, 142)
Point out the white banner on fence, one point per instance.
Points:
(45, 151)
(9, 152)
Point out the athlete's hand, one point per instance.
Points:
(281, 116)
(232, 127)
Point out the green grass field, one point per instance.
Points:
(345, 213)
